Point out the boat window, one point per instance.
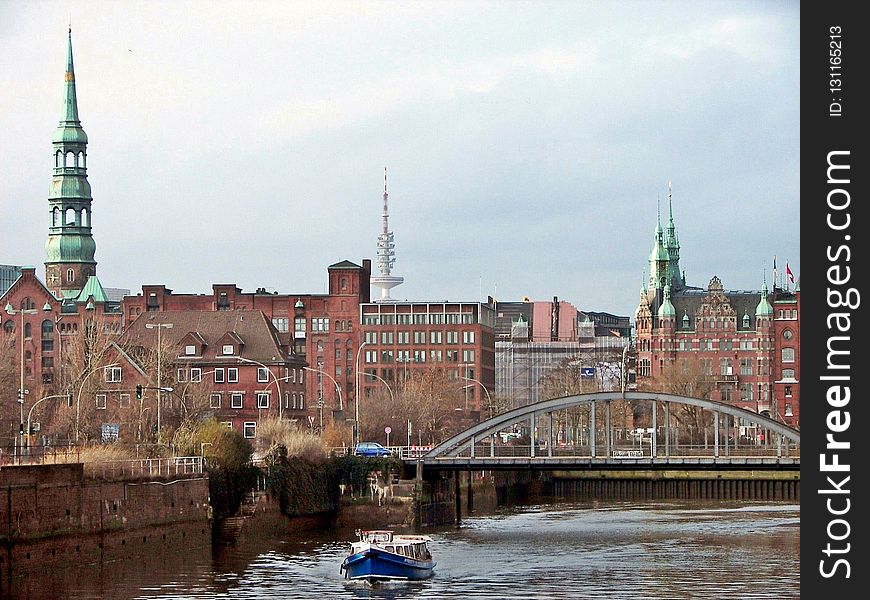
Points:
(389, 548)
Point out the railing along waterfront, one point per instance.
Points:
(137, 468)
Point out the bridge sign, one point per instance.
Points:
(388, 429)
(587, 373)
(627, 454)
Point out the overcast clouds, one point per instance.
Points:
(526, 143)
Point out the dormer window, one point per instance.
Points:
(190, 350)
(229, 349)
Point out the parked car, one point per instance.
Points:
(371, 449)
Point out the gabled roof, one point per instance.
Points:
(93, 288)
(345, 264)
(260, 337)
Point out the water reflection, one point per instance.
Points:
(608, 550)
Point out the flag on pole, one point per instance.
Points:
(774, 271)
(788, 272)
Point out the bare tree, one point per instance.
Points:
(685, 378)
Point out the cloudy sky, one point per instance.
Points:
(527, 143)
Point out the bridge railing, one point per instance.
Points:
(484, 449)
(145, 468)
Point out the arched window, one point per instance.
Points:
(57, 159)
(55, 217)
(28, 330)
(8, 327)
(319, 346)
(47, 329)
(343, 284)
(70, 275)
(70, 160)
(84, 220)
(70, 216)
(81, 161)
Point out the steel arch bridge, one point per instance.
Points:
(478, 447)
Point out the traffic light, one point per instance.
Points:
(139, 392)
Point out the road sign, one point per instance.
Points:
(311, 419)
(587, 373)
(388, 429)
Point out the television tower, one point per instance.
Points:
(386, 255)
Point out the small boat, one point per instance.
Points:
(380, 554)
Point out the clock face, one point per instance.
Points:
(787, 334)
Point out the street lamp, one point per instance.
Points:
(21, 391)
(320, 401)
(275, 377)
(159, 327)
(30, 412)
(389, 389)
(356, 396)
(485, 391)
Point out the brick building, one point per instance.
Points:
(322, 330)
(231, 365)
(39, 319)
(401, 338)
(746, 344)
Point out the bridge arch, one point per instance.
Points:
(466, 440)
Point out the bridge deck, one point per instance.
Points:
(545, 463)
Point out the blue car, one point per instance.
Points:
(371, 449)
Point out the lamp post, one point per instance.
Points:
(82, 387)
(30, 412)
(275, 377)
(485, 391)
(21, 391)
(389, 389)
(320, 401)
(159, 327)
(356, 396)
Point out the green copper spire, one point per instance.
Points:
(667, 308)
(658, 258)
(672, 245)
(70, 248)
(764, 309)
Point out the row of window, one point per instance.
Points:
(419, 337)
(292, 400)
(420, 319)
(417, 356)
(221, 375)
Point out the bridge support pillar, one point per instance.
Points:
(592, 429)
(655, 431)
(457, 496)
(716, 434)
(608, 441)
(667, 429)
(532, 436)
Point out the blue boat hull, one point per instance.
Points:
(374, 565)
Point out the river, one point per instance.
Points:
(606, 550)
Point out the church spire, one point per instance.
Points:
(70, 248)
(672, 244)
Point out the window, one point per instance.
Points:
(232, 375)
(262, 375)
(371, 356)
(294, 400)
(419, 337)
(112, 374)
(386, 356)
(250, 429)
(190, 350)
(262, 399)
(371, 337)
(787, 334)
(386, 337)
(282, 324)
(286, 399)
(452, 337)
(219, 375)
(788, 373)
(320, 325)
(746, 391)
(745, 367)
(468, 356)
(788, 411)
(453, 356)
(124, 400)
(70, 276)
(237, 400)
(419, 356)
(725, 345)
(787, 355)
(195, 375)
(788, 391)
(467, 337)
(435, 355)
(435, 337)
(301, 400)
(229, 349)
(214, 401)
(299, 327)
(101, 401)
(181, 375)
